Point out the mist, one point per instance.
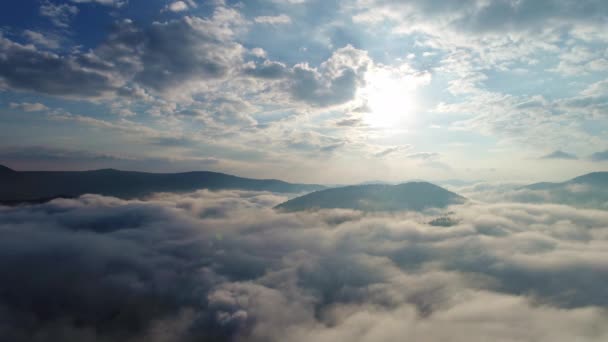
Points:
(225, 266)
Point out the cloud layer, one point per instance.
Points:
(224, 266)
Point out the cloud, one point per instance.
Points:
(59, 14)
(391, 150)
(40, 39)
(29, 107)
(479, 17)
(423, 155)
(223, 266)
(114, 3)
(559, 155)
(172, 57)
(185, 51)
(23, 67)
(335, 82)
(180, 6)
(600, 156)
(273, 20)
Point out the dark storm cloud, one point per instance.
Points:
(213, 266)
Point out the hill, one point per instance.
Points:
(19, 186)
(376, 197)
(590, 190)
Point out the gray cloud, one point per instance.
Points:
(600, 156)
(475, 16)
(559, 155)
(391, 150)
(423, 155)
(26, 68)
(224, 266)
(167, 57)
(336, 81)
(190, 49)
(29, 107)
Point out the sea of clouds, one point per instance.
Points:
(225, 266)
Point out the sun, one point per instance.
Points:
(389, 99)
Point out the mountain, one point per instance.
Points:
(590, 190)
(376, 197)
(5, 170)
(34, 186)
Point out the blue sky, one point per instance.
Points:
(307, 90)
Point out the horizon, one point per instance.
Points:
(375, 181)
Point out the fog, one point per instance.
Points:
(225, 266)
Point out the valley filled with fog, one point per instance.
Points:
(226, 266)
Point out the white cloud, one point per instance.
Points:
(42, 40)
(59, 14)
(273, 20)
(115, 3)
(178, 6)
(29, 107)
(505, 271)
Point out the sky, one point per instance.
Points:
(324, 91)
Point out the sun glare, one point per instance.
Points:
(389, 99)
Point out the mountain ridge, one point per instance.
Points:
(35, 185)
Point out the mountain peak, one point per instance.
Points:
(5, 169)
(376, 197)
(592, 177)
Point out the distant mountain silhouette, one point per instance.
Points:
(591, 179)
(35, 186)
(590, 190)
(376, 197)
(4, 169)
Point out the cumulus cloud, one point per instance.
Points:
(335, 82)
(180, 6)
(24, 67)
(171, 57)
(224, 266)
